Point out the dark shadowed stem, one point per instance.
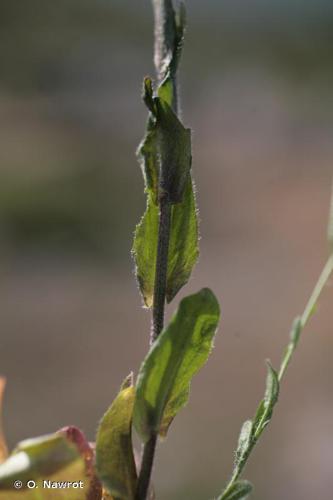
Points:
(161, 268)
(164, 40)
(146, 468)
(157, 327)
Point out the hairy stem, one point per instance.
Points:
(161, 268)
(164, 39)
(157, 327)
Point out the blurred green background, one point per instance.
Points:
(256, 87)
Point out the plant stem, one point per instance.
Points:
(161, 267)
(321, 283)
(146, 468)
(164, 40)
(157, 327)
(307, 313)
(296, 331)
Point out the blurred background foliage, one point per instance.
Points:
(67, 91)
(256, 85)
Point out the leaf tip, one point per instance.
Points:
(128, 382)
(147, 93)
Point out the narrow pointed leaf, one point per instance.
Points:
(179, 352)
(272, 387)
(266, 406)
(244, 444)
(239, 491)
(114, 452)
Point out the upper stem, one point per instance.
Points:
(161, 267)
(164, 39)
(323, 278)
(303, 320)
(308, 311)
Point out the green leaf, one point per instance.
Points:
(266, 406)
(35, 457)
(179, 352)
(183, 246)
(165, 159)
(149, 160)
(55, 457)
(148, 94)
(250, 432)
(165, 151)
(145, 249)
(166, 91)
(244, 444)
(114, 452)
(174, 149)
(239, 491)
(148, 148)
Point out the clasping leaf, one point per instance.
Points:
(114, 452)
(165, 159)
(163, 383)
